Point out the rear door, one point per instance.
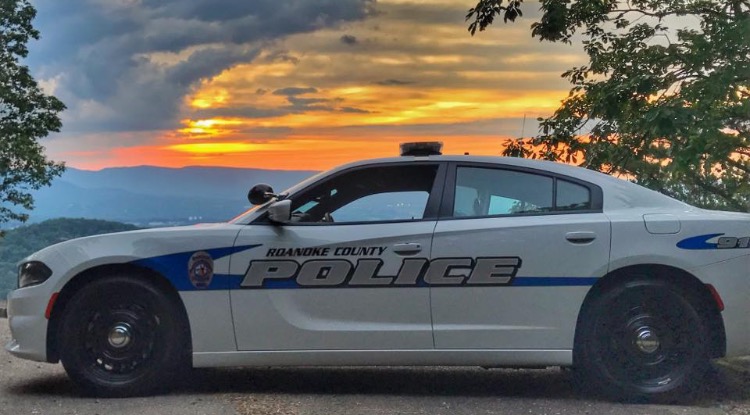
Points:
(335, 277)
(543, 240)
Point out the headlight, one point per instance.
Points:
(32, 273)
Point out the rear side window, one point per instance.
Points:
(483, 191)
(572, 196)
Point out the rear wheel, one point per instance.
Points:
(644, 339)
(121, 336)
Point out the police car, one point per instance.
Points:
(422, 259)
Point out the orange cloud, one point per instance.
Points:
(208, 127)
(301, 153)
(312, 102)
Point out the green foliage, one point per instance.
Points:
(26, 115)
(24, 241)
(485, 11)
(669, 109)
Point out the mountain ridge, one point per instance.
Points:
(154, 195)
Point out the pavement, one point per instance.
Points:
(40, 388)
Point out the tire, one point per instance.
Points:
(120, 336)
(643, 340)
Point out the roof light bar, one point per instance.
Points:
(422, 148)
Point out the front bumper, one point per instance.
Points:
(28, 326)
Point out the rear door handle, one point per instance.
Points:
(410, 248)
(580, 237)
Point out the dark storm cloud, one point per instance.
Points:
(349, 40)
(297, 104)
(303, 104)
(238, 112)
(100, 51)
(394, 82)
(282, 56)
(415, 13)
(352, 110)
(294, 91)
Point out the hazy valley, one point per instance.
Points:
(155, 196)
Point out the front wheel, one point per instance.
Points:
(643, 339)
(120, 336)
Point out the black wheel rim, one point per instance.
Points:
(647, 340)
(119, 341)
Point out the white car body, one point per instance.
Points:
(524, 312)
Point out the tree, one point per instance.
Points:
(668, 109)
(26, 115)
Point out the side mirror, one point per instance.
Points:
(280, 212)
(260, 194)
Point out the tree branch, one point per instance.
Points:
(708, 188)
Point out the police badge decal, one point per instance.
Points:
(201, 269)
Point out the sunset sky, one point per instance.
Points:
(286, 84)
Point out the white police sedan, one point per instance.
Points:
(422, 259)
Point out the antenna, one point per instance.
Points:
(523, 126)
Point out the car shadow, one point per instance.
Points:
(721, 385)
(431, 381)
(49, 385)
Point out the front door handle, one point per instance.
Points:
(580, 237)
(410, 248)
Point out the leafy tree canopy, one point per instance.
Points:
(664, 99)
(26, 115)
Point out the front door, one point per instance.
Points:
(342, 275)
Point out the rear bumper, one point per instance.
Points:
(731, 279)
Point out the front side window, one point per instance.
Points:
(372, 194)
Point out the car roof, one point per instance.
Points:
(618, 193)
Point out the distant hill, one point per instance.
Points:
(23, 241)
(156, 196)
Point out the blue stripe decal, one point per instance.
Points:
(554, 281)
(175, 268)
(699, 242)
(290, 283)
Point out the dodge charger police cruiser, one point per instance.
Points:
(423, 259)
